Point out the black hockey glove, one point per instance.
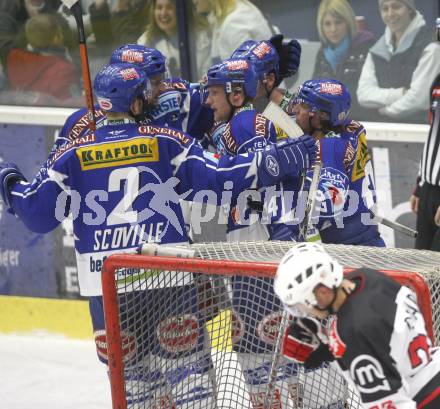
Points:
(9, 174)
(289, 52)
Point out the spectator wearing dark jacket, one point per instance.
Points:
(344, 48)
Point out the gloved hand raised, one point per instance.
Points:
(289, 52)
(9, 173)
(287, 159)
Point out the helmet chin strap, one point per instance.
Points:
(268, 93)
(311, 127)
(233, 108)
(144, 111)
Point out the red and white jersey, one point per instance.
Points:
(380, 341)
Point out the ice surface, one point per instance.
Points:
(45, 372)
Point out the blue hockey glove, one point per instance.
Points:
(289, 52)
(288, 158)
(9, 173)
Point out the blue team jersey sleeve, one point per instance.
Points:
(200, 117)
(77, 124)
(247, 131)
(203, 174)
(44, 202)
(346, 192)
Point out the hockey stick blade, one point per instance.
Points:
(230, 382)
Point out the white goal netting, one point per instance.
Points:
(204, 332)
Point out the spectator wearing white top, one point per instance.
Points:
(395, 79)
(161, 33)
(232, 22)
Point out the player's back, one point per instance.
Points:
(349, 192)
(122, 190)
(381, 341)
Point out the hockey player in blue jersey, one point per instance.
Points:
(172, 102)
(122, 184)
(274, 60)
(346, 192)
(176, 103)
(231, 87)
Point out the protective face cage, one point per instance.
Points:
(227, 86)
(298, 99)
(147, 92)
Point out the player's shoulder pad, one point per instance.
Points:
(250, 123)
(68, 146)
(157, 131)
(77, 123)
(354, 128)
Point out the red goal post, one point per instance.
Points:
(241, 372)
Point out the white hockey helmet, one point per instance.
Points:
(303, 267)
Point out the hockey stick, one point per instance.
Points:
(229, 376)
(288, 125)
(311, 196)
(282, 120)
(75, 8)
(397, 226)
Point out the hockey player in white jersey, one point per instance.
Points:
(377, 335)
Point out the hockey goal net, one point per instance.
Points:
(204, 331)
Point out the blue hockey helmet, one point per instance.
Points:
(234, 72)
(152, 61)
(263, 55)
(116, 86)
(327, 95)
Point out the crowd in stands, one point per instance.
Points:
(387, 74)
